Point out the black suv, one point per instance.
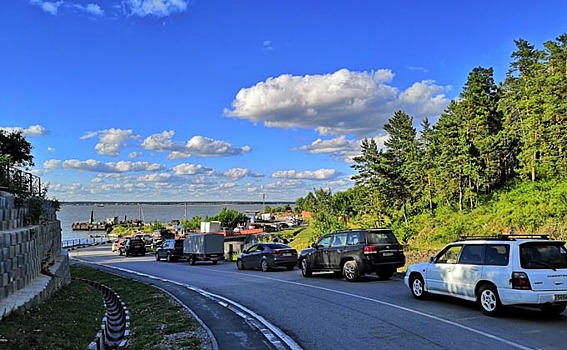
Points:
(133, 246)
(353, 253)
(170, 250)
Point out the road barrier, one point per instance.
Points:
(115, 326)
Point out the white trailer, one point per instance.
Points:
(210, 226)
(203, 247)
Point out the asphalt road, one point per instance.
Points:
(324, 312)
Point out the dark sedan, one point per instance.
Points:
(170, 250)
(266, 256)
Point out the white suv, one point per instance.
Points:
(527, 270)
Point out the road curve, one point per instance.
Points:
(324, 312)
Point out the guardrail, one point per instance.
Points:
(18, 181)
(115, 326)
(68, 243)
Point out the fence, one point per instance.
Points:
(67, 243)
(17, 181)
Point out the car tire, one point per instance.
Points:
(127, 254)
(489, 301)
(417, 287)
(168, 258)
(290, 267)
(553, 309)
(350, 271)
(120, 252)
(239, 264)
(264, 265)
(215, 262)
(306, 270)
(191, 260)
(157, 257)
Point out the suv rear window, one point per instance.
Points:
(381, 237)
(541, 255)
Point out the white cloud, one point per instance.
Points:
(110, 167)
(236, 173)
(50, 149)
(155, 8)
(343, 102)
(92, 9)
(134, 155)
(191, 169)
(197, 146)
(267, 45)
(31, 131)
(51, 164)
(321, 174)
(48, 6)
(111, 141)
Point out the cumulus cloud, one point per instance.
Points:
(111, 141)
(236, 173)
(197, 146)
(191, 169)
(343, 102)
(340, 148)
(48, 6)
(92, 9)
(51, 164)
(321, 174)
(31, 131)
(110, 167)
(267, 45)
(154, 8)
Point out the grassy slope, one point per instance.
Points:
(71, 318)
(526, 207)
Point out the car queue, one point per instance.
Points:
(494, 272)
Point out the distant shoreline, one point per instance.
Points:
(178, 203)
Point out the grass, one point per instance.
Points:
(71, 318)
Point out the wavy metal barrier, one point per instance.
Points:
(115, 326)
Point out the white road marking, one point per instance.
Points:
(240, 310)
(399, 307)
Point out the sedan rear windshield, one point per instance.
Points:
(381, 237)
(542, 255)
(277, 246)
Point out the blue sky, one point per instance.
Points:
(177, 100)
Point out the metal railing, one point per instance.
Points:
(18, 181)
(67, 243)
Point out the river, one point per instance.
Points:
(70, 213)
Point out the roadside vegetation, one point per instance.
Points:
(71, 318)
(495, 162)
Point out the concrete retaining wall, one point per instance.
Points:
(32, 262)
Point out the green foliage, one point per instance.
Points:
(15, 148)
(193, 224)
(229, 218)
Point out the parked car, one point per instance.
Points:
(170, 250)
(116, 244)
(266, 256)
(132, 246)
(496, 272)
(354, 253)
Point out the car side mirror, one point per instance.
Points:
(432, 259)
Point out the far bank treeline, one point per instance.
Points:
(494, 140)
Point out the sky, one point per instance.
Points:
(209, 100)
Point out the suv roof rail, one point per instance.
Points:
(507, 236)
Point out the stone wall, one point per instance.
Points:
(32, 262)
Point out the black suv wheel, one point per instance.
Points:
(350, 271)
(305, 268)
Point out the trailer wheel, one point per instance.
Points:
(191, 259)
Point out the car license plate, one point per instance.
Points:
(387, 254)
(560, 297)
(286, 254)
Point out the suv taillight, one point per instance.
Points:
(369, 249)
(520, 281)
